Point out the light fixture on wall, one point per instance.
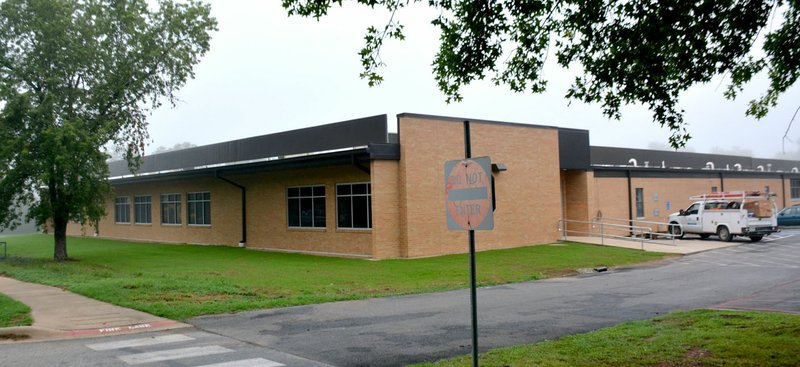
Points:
(499, 167)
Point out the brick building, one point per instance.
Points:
(354, 189)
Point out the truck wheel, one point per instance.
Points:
(705, 236)
(724, 234)
(675, 230)
(756, 238)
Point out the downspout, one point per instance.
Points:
(243, 242)
(721, 182)
(783, 189)
(630, 203)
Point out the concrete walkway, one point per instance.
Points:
(59, 314)
(685, 247)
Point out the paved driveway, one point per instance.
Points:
(402, 330)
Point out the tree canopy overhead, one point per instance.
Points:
(629, 51)
(76, 75)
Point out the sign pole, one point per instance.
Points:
(473, 297)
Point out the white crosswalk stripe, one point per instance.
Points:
(254, 362)
(178, 352)
(171, 354)
(142, 342)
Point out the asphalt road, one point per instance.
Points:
(402, 330)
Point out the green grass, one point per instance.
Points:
(695, 338)
(182, 281)
(13, 313)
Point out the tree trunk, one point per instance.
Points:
(60, 235)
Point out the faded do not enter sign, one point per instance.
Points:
(468, 194)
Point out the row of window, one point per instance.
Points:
(305, 207)
(198, 209)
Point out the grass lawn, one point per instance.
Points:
(694, 338)
(13, 313)
(181, 281)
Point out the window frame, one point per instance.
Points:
(117, 211)
(794, 188)
(190, 203)
(314, 198)
(149, 212)
(368, 195)
(178, 208)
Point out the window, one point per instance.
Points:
(694, 209)
(142, 209)
(198, 208)
(795, 187)
(306, 206)
(713, 189)
(122, 209)
(170, 208)
(354, 205)
(639, 202)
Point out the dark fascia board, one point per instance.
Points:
(643, 172)
(384, 152)
(615, 156)
(330, 159)
(330, 137)
(573, 149)
(479, 121)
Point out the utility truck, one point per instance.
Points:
(727, 214)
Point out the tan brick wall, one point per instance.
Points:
(610, 197)
(266, 213)
(385, 210)
(528, 194)
(225, 225)
(576, 201)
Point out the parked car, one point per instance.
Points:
(789, 216)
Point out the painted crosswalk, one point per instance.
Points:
(140, 342)
(173, 347)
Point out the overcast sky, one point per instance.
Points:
(267, 73)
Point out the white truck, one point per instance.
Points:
(727, 214)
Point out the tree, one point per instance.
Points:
(76, 75)
(630, 51)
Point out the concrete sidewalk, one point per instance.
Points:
(685, 247)
(59, 314)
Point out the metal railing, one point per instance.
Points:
(602, 229)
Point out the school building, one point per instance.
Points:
(353, 189)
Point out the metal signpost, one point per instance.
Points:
(468, 204)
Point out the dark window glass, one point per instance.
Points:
(639, 202)
(142, 209)
(294, 210)
(122, 209)
(198, 208)
(306, 208)
(171, 208)
(345, 212)
(354, 206)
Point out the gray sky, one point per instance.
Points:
(267, 73)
